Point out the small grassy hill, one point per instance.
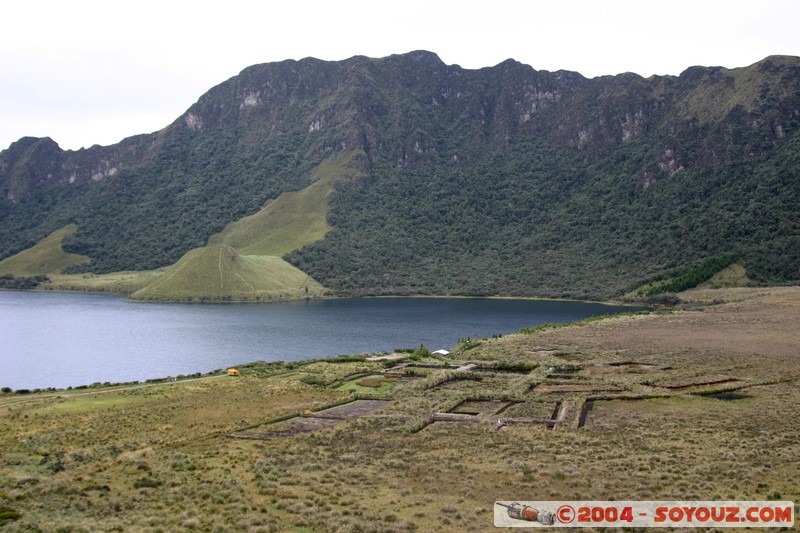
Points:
(243, 262)
(43, 258)
(220, 273)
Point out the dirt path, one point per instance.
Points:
(105, 390)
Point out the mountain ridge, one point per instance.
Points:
(136, 146)
(538, 148)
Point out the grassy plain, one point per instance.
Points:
(158, 459)
(116, 282)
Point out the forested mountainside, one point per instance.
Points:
(503, 180)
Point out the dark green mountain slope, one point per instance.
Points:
(537, 231)
(503, 180)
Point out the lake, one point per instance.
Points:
(70, 339)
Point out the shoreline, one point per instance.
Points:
(126, 295)
(99, 382)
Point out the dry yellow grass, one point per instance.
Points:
(117, 282)
(153, 459)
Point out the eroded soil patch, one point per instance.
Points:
(567, 388)
(533, 409)
(314, 421)
(478, 384)
(481, 407)
(701, 382)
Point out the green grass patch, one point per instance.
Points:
(77, 404)
(544, 327)
(45, 257)
(686, 278)
(733, 276)
(220, 273)
(374, 384)
(292, 220)
(243, 262)
(117, 282)
(8, 514)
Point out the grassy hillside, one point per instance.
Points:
(292, 220)
(243, 262)
(45, 257)
(48, 258)
(220, 273)
(733, 276)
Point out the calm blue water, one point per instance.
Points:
(58, 340)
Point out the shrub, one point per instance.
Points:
(313, 380)
(421, 353)
(146, 482)
(7, 514)
(687, 278)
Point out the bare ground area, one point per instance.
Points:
(314, 421)
(755, 331)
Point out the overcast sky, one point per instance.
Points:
(87, 72)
